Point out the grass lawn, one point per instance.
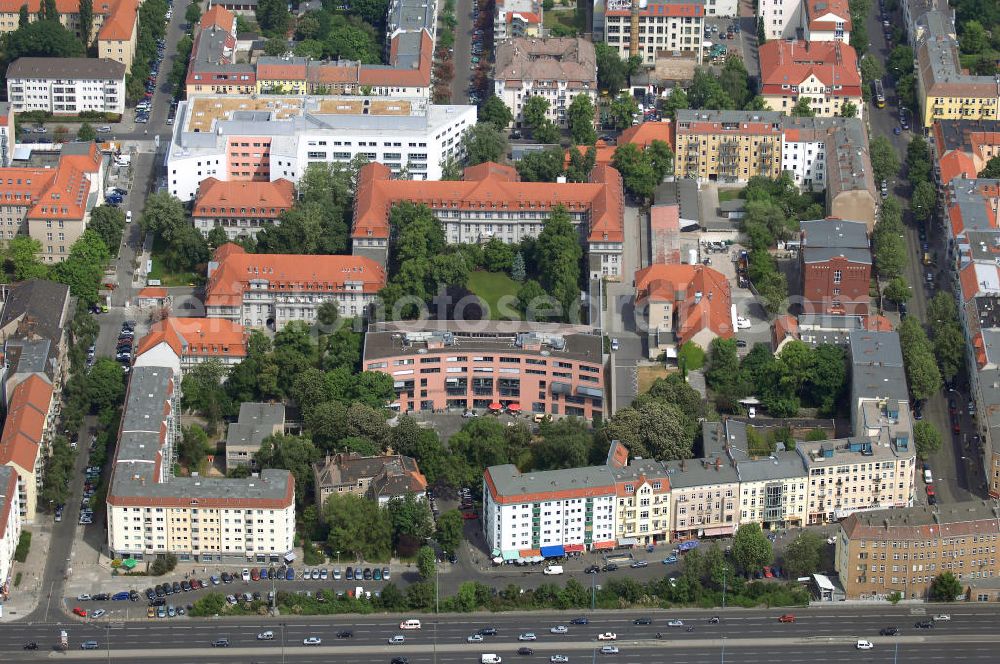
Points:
(565, 17)
(648, 376)
(490, 287)
(167, 278)
(729, 194)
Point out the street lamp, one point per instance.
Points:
(338, 558)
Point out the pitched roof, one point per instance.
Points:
(644, 133)
(41, 302)
(824, 14)
(66, 68)
(493, 186)
(121, 21)
(410, 60)
(232, 270)
(152, 292)
(390, 475)
(211, 337)
(219, 17)
(789, 63)
(271, 68)
(569, 59)
(824, 239)
(25, 424)
(699, 293)
(243, 199)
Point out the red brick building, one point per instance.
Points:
(836, 266)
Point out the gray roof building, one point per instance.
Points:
(379, 478)
(255, 423)
(824, 239)
(93, 69)
(876, 366)
(35, 308)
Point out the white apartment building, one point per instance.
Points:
(664, 26)
(781, 18)
(269, 290)
(557, 69)
(267, 138)
(66, 86)
(10, 522)
(151, 512)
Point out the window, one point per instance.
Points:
(837, 276)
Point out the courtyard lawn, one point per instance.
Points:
(729, 194)
(649, 374)
(490, 287)
(167, 278)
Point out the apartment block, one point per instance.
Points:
(446, 365)
(239, 207)
(264, 139)
(901, 551)
(826, 21)
(555, 512)
(491, 201)
(256, 422)
(258, 290)
(557, 69)
(192, 341)
(665, 27)
(516, 18)
(836, 265)
(705, 492)
(7, 137)
(67, 86)
(27, 432)
(728, 146)
(151, 512)
(10, 524)
(944, 90)
(379, 478)
(824, 72)
(963, 147)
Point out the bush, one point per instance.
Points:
(164, 565)
(23, 546)
(311, 555)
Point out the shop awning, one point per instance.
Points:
(510, 554)
(529, 553)
(496, 552)
(514, 407)
(574, 548)
(607, 544)
(129, 563)
(496, 405)
(627, 541)
(718, 532)
(553, 551)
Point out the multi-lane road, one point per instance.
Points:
(825, 634)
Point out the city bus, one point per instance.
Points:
(878, 94)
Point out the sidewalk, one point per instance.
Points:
(23, 597)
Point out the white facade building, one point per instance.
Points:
(781, 18)
(151, 512)
(268, 138)
(66, 86)
(10, 520)
(805, 159)
(665, 26)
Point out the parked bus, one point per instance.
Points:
(878, 94)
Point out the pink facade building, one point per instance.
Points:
(490, 366)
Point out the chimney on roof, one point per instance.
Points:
(718, 463)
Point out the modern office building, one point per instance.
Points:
(258, 290)
(268, 138)
(824, 72)
(66, 86)
(557, 69)
(152, 512)
(491, 202)
(664, 27)
(490, 365)
(902, 551)
(836, 264)
(239, 207)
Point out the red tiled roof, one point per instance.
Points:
(25, 424)
(678, 284)
(819, 9)
(956, 164)
(219, 17)
(675, 9)
(152, 292)
(644, 133)
(257, 200)
(283, 72)
(792, 62)
(121, 22)
(201, 337)
(325, 73)
(393, 75)
(316, 273)
(490, 186)
(527, 17)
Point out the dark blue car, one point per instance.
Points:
(289, 574)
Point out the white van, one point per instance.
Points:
(928, 478)
(490, 659)
(123, 160)
(128, 216)
(553, 569)
(410, 624)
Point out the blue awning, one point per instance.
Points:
(553, 551)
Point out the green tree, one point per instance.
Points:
(926, 438)
(922, 372)
(581, 164)
(546, 133)
(751, 549)
(723, 364)
(677, 100)
(885, 161)
(534, 111)
(559, 257)
(483, 142)
(636, 169)
(945, 588)
(974, 38)
(372, 12)
(623, 110)
(44, 39)
(541, 165)
(848, 110)
(580, 119)
(209, 605)
(565, 444)
(612, 71)
(803, 555)
(900, 61)
(194, 447)
(871, 69)
(295, 454)
(518, 269)
(86, 21)
(410, 517)
(924, 200)
(706, 92)
(803, 109)
(992, 169)
(897, 290)
(733, 79)
(495, 111)
(192, 14)
(109, 223)
(83, 269)
(426, 562)
(949, 349)
(22, 259)
(23, 17)
(655, 429)
(272, 17)
(164, 215)
(358, 526)
(449, 530)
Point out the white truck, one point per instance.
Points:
(490, 659)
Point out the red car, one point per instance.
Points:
(787, 618)
(469, 515)
(930, 489)
(956, 427)
(768, 574)
(80, 612)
